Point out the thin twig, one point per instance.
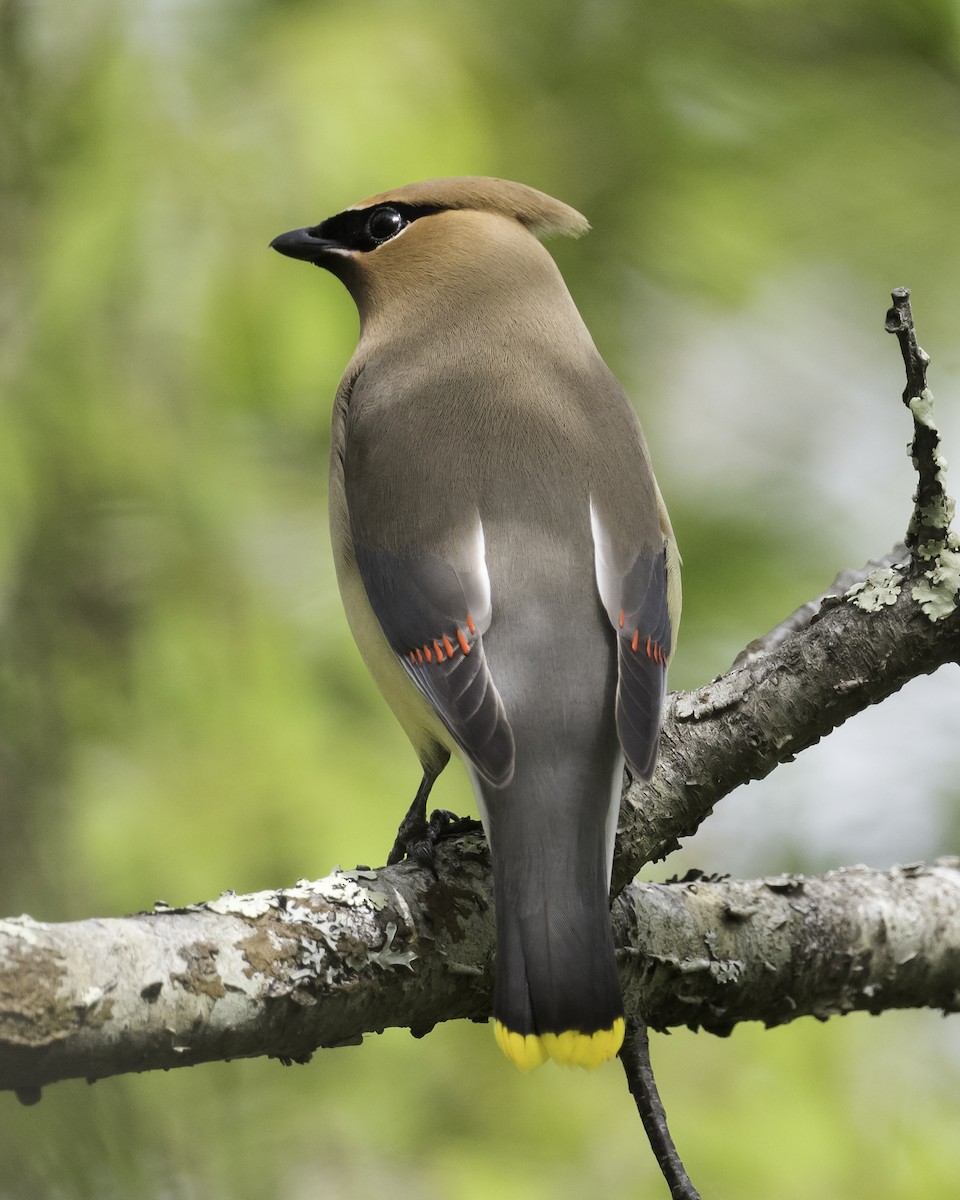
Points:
(915, 360)
(931, 518)
(930, 538)
(635, 1056)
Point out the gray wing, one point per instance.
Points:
(433, 616)
(635, 597)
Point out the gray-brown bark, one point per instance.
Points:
(283, 973)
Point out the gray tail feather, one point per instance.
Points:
(556, 965)
(556, 971)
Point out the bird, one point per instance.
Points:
(506, 564)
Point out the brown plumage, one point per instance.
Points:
(537, 211)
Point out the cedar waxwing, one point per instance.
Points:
(506, 564)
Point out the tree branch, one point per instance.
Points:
(806, 614)
(861, 648)
(899, 322)
(775, 949)
(635, 1056)
(929, 534)
(283, 973)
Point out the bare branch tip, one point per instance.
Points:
(899, 317)
(899, 321)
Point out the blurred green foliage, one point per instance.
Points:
(181, 707)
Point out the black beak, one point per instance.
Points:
(305, 245)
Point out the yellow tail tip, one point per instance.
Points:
(570, 1048)
(525, 1051)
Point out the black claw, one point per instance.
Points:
(422, 853)
(412, 831)
(417, 838)
(446, 824)
(414, 828)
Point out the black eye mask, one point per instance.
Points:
(367, 228)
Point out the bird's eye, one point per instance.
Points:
(384, 223)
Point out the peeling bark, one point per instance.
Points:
(321, 964)
(775, 949)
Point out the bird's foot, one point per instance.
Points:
(417, 837)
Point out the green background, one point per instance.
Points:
(181, 707)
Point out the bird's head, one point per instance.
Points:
(413, 244)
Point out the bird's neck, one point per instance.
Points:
(504, 298)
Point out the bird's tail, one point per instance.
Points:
(557, 992)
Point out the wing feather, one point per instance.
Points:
(636, 598)
(434, 616)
